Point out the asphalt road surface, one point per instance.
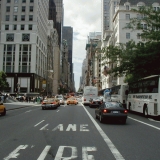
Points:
(72, 132)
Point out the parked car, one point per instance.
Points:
(72, 100)
(95, 102)
(111, 110)
(2, 109)
(50, 104)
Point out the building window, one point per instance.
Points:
(7, 9)
(14, 27)
(30, 17)
(23, 8)
(127, 16)
(29, 27)
(15, 1)
(127, 7)
(25, 37)
(145, 26)
(23, 1)
(31, 1)
(10, 37)
(127, 35)
(8, 1)
(22, 17)
(31, 8)
(22, 27)
(7, 17)
(15, 17)
(138, 36)
(6, 27)
(15, 9)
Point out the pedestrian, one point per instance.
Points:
(29, 99)
(2, 98)
(26, 99)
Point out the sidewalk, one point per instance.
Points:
(18, 105)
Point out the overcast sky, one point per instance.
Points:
(83, 16)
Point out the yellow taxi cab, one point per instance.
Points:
(72, 100)
(2, 109)
(50, 103)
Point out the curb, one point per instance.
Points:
(18, 108)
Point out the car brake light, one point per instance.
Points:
(53, 103)
(125, 111)
(105, 111)
(84, 99)
(43, 103)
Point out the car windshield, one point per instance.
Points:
(112, 104)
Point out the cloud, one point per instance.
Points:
(84, 16)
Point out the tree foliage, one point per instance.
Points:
(3, 80)
(136, 60)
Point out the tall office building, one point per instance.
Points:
(68, 35)
(23, 43)
(59, 18)
(105, 16)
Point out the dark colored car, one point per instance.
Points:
(49, 104)
(112, 111)
(95, 102)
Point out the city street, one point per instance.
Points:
(72, 132)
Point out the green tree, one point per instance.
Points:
(137, 60)
(3, 80)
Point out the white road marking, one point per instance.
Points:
(85, 151)
(28, 111)
(153, 120)
(71, 126)
(60, 153)
(58, 111)
(111, 146)
(15, 153)
(44, 153)
(44, 128)
(145, 123)
(60, 127)
(83, 127)
(32, 146)
(38, 123)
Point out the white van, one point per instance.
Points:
(89, 92)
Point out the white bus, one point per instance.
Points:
(119, 93)
(88, 93)
(144, 96)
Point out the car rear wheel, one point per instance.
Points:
(4, 112)
(101, 119)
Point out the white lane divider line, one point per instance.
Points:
(153, 120)
(38, 123)
(44, 153)
(28, 111)
(43, 128)
(58, 111)
(145, 123)
(111, 146)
